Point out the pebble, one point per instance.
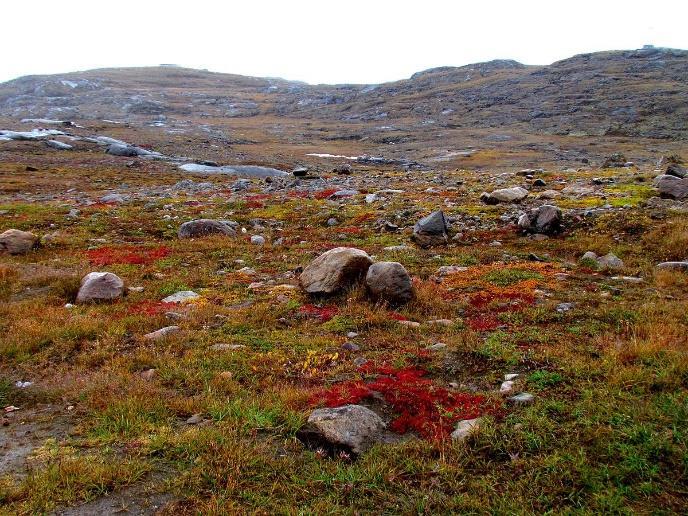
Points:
(258, 240)
(465, 428)
(525, 398)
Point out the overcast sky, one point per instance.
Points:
(323, 42)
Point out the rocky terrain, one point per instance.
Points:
(464, 292)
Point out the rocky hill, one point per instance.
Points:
(618, 93)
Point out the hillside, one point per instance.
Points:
(633, 93)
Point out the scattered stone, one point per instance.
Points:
(181, 297)
(335, 270)
(162, 333)
(673, 266)
(100, 286)
(350, 346)
(507, 386)
(672, 187)
(465, 428)
(431, 230)
(545, 219)
(360, 361)
(565, 307)
(504, 195)
(226, 347)
(114, 198)
(389, 281)
(196, 419)
(15, 241)
(58, 145)
(300, 171)
(676, 170)
(437, 347)
(351, 335)
(344, 169)
(149, 374)
(203, 227)
(353, 427)
(511, 376)
(607, 262)
(524, 398)
(409, 324)
(258, 240)
(117, 149)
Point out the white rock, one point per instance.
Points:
(184, 296)
(465, 428)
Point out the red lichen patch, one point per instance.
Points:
(351, 230)
(258, 197)
(324, 194)
(483, 323)
(130, 255)
(397, 316)
(419, 404)
(324, 313)
(297, 194)
(150, 308)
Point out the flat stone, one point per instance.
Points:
(162, 333)
(181, 297)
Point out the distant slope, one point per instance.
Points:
(636, 93)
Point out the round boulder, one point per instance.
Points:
(15, 241)
(100, 286)
(390, 282)
(204, 227)
(335, 270)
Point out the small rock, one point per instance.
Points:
(149, 374)
(258, 240)
(335, 270)
(162, 333)
(525, 398)
(181, 297)
(204, 227)
(389, 281)
(196, 419)
(465, 428)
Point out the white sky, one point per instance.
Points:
(363, 41)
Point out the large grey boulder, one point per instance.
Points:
(15, 241)
(515, 194)
(353, 427)
(100, 286)
(389, 281)
(431, 230)
(335, 270)
(204, 227)
(545, 219)
(672, 187)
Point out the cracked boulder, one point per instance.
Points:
(545, 219)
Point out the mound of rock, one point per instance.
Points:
(504, 195)
(335, 270)
(204, 227)
(431, 230)
(353, 428)
(117, 149)
(672, 187)
(389, 281)
(545, 219)
(15, 241)
(100, 286)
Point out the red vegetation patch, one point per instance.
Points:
(129, 254)
(324, 194)
(351, 230)
(484, 323)
(324, 313)
(150, 308)
(397, 316)
(420, 406)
